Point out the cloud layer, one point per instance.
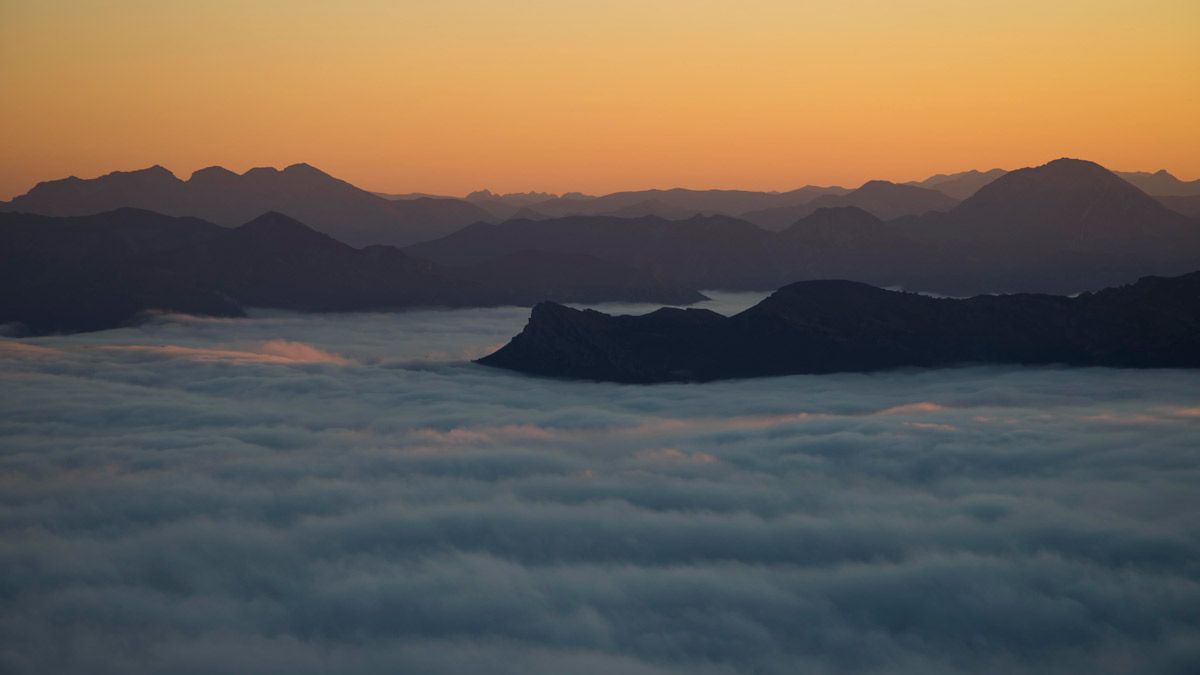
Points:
(344, 493)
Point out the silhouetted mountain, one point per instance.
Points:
(409, 195)
(835, 242)
(276, 261)
(701, 252)
(517, 199)
(75, 274)
(1063, 226)
(1188, 206)
(880, 198)
(1161, 183)
(959, 185)
(512, 205)
(102, 271)
(679, 201)
(830, 326)
(218, 195)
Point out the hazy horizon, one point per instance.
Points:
(184, 175)
(596, 97)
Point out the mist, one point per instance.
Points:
(348, 493)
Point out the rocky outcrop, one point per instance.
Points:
(832, 326)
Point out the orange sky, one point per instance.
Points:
(448, 96)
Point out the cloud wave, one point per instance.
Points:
(292, 494)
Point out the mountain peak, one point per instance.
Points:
(1073, 164)
(212, 174)
(260, 171)
(1063, 202)
(303, 169)
(840, 215)
(877, 184)
(276, 224)
(1064, 175)
(156, 173)
(274, 218)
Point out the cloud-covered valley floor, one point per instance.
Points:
(347, 493)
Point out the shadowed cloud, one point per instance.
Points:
(298, 494)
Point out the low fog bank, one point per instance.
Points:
(347, 493)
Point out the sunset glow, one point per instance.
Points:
(459, 95)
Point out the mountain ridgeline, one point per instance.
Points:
(220, 196)
(362, 218)
(1063, 227)
(838, 326)
(107, 270)
(1066, 226)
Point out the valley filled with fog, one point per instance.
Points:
(319, 493)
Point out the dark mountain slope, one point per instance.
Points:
(848, 242)
(102, 271)
(1188, 206)
(830, 326)
(86, 273)
(274, 261)
(701, 252)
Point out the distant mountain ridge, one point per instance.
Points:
(363, 218)
(1161, 183)
(687, 202)
(218, 195)
(959, 185)
(1061, 227)
(880, 198)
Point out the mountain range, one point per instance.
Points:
(880, 198)
(1161, 183)
(361, 218)
(959, 185)
(65, 274)
(220, 196)
(1061, 227)
(832, 326)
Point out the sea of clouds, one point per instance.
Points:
(348, 493)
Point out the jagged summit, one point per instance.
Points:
(221, 196)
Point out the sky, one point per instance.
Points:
(282, 494)
(457, 95)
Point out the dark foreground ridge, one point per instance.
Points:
(832, 326)
(62, 275)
